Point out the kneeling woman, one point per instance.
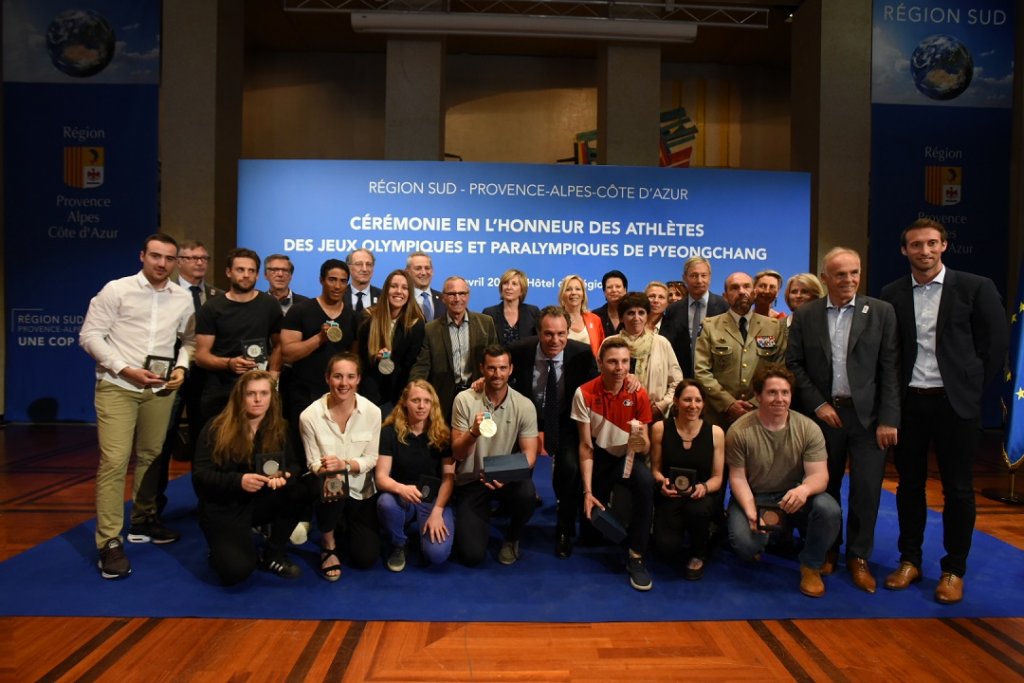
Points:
(236, 478)
(685, 440)
(341, 435)
(415, 449)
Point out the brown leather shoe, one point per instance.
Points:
(950, 589)
(831, 562)
(811, 584)
(861, 575)
(903, 577)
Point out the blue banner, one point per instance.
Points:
(80, 153)
(478, 220)
(942, 92)
(1013, 447)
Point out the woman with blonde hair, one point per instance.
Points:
(657, 296)
(389, 340)
(415, 475)
(585, 326)
(800, 289)
(245, 474)
(514, 319)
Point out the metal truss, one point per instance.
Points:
(733, 16)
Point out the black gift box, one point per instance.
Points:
(505, 468)
(608, 524)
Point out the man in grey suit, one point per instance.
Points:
(453, 346)
(844, 353)
(953, 337)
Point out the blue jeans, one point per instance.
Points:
(818, 520)
(396, 513)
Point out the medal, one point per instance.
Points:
(682, 483)
(253, 351)
(333, 331)
(271, 468)
(488, 427)
(386, 366)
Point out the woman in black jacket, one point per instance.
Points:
(245, 474)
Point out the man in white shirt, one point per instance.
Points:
(131, 330)
(361, 293)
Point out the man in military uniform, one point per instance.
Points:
(730, 348)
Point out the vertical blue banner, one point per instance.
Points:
(942, 92)
(80, 154)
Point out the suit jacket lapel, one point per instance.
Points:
(857, 325)
(818, 324)
(446, 341)
(945, 301)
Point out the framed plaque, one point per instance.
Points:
(256, 351)
(269, 464)
(683, 479)
(428, 487)
(333, 487)
(771, 518)
(160, 365)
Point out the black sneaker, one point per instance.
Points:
(113, 563)
(281, 566)
(639, 577)
(152, 532)
(396, 561)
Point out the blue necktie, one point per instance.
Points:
(428, 308)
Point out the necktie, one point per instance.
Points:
(551, 411)
(359, 302)
(428, 308)
(197, 300)
(695, 324)
(743, 328)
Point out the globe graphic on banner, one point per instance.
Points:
(942, 67)
(80, 42)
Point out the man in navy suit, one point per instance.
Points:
(361, 294)
(844, 352)
(421, 271)
(685, 319)
(533, 361)
(954, 338)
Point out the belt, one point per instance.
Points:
(928, 391)
(842, 401)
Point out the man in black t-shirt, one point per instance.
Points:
(306, 337)
(236, 332)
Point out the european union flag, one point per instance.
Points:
(1013, 447)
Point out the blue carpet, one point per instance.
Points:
(59, 578)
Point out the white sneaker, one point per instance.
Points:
(300, 534)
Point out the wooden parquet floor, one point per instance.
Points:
(46, 488)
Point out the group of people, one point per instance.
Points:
(648, 407)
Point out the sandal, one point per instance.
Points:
(331, 572)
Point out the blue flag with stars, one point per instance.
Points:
(1013, 448)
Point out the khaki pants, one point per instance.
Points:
(124, 416)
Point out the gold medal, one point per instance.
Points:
(333, 331)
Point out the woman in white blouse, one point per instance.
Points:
(341, 435)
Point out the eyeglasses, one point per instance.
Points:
(278, 270)
(201, 259)
(457, 294)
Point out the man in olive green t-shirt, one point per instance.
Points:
(777, 458)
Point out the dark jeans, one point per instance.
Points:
(354, 523)
(229, 531)
(818, 521)
(473, 515)
(930, 420)
(607, 473)
(676, 517)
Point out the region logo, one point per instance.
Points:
(83, 167)
(943, 185)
